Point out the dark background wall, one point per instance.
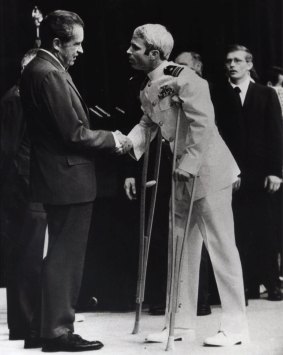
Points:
(102, 73)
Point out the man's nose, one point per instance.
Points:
(129, 50)
(80, 49)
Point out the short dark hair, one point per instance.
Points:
(239, 47)
(58, 24)
(273, 73)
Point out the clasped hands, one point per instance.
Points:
(125, 143)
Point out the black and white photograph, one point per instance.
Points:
(141, 173)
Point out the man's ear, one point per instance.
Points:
(56, 44)
(154, 54)
(250, 65)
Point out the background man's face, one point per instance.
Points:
(137, 57)
(188, 60)
(185, 59)
(237, 67)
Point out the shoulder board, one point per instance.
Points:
(143, 85)
(173, 70)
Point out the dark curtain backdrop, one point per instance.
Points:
(102, 73)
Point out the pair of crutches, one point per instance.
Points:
(145, 232)
(175, 242)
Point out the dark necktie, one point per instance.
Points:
(237, 91)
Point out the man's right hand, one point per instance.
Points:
(130, 188)
(125, 143)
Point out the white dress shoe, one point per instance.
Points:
(179, 335)
(223, 338)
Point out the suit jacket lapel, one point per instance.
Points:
(70, 81)
(248, 95)
(53, 61)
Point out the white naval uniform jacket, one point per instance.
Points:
(201, 151)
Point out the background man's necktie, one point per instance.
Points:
(237, 91)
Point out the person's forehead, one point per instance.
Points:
(78, 31)
(184, 57)
(237, 54)
(137, 41)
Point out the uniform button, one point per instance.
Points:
(149, 84)
(153, 103)
(171, 139)
(160, 123)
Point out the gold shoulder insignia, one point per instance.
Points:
(173, 70)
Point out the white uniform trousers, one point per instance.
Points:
(211, 222)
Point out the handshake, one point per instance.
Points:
(123, 143)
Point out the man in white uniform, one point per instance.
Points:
(201, 152)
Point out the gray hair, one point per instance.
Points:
(156, 37)
(28, 56)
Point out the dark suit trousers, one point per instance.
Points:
(256, 238)
(24, 226)
(68, 228)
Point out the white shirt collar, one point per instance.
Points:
(53, 56)
(157, 72)
(243, 87)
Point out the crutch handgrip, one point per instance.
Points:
(150, 183)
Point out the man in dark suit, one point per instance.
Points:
(249, 118)
(23, 223)
(62, 175)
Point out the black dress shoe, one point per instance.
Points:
(274, 294)
(203, 309)
(70, 342)
(33, 341)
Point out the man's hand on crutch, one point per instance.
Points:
(146, 222)
(182, 175)
(130, 188)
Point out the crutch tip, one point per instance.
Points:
(170, 343)
(136, 329)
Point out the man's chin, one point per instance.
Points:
(137, 67)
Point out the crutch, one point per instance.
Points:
(176, 245)
(281, 235)
(145, 237)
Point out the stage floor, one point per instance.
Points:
(114, 330)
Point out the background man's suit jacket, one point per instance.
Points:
(252, 132)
